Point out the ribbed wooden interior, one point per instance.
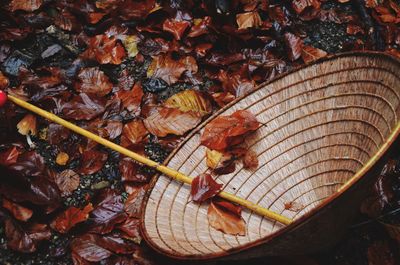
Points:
(320, 125)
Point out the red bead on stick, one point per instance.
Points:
(3, 98)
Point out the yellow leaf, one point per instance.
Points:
(27, 125)
(189, 100)
(130, 44)
(215, 159)
(62, 158)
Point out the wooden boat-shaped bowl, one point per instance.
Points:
(326, 130)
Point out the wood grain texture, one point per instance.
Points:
(321, 125)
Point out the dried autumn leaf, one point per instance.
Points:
(248, 20)
(3, 81)
(250, 160)
(221, 163)
(9, 156)
(133, 133)
(300, 5)
(130, 44)
(93, 81)
(189, 100)
(226, 217)
(131, 99)
(176, 27)
(25, 5)
(87, 247)
(170, 70)
(163, 121)
(62, 158)
(84, 107)
(92, 161)
(19, 212)
(353, 29)
(70, 217)
(309, 54)
(27, 126)
(294, 46)
(204, 187)
(105, 49)
(226, 131)
(67, 181)
(294, 206)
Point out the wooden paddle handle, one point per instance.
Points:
(159, 167)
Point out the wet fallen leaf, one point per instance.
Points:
(163, 121)
(248, 20)
(250, 160)
(93, 81)
(19, 212)
(133, 132)
(105, 49)
(176, 27)
(131, 229)
(309, 54)
(190, 100)
(130, 171)
(131, 99)
(67, 181)
(27, 126)
(204, 187)
(84, 107)
(62, 158)
(226, 131)
(130, 44)
(226, 217)
(134, 201)
(9, 156)
(70, 217)
(92, 161)
(294, 46)
(87, 247)
(300, 5)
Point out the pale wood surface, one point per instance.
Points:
(321, 124)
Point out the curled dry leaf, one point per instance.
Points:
(62, 158)
(19, 212)
(294, 206)
(27, 126)
(92, 161)
(248, 20)
(67, 181)
(309, 54)
(294, 46)
(163, 121)
(226, 217)
(176, 27)
(250, 160)
(93, 81)
(9, 156)
(70, 217)
(204, 187)
(170, 70)
(25, 5)
(190, 100)
(133, 132)
(226, 131)
(84, 107)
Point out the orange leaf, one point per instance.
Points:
(225, 217)
(248, 20)
(62, 158)
(310, 54)
(133, 133)
(70, 217)
(177, 28)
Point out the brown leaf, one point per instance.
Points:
(133, 132)
(226, 217)
(248, 20)
(131, 229)
(9, 156)
(26, 5)
(176, 27)
(70, 217)
(250, 160)
(27, 125)
(353, 29)
(294, 46)
(62, 158)
(170, 70)
(204, 187)
(3, 81)
(130, 171)
(163, 121)
(105, 49)
(84, 107)
(67, 181)
(226, 131)
(300, 5)
(200, 27)
(309, 54)
(131, 99)
(19, 212)
(87, 247)
(92, 161)
(93, 81)
(134, 202)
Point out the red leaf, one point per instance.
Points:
(87, 247)
(226, 217)
(294, 46)
(310, 54)
(9, 156)
(19, 212)
(204, 187)
(93, 81)
(67, 181)
(226, 131)
(83, 107)
(133, 132)
(26, 5)
(92, 161)
(70, 217)
(177, 28)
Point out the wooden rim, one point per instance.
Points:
(355, 178)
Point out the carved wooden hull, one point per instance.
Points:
(326, 129)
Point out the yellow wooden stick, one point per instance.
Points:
(161, 168)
